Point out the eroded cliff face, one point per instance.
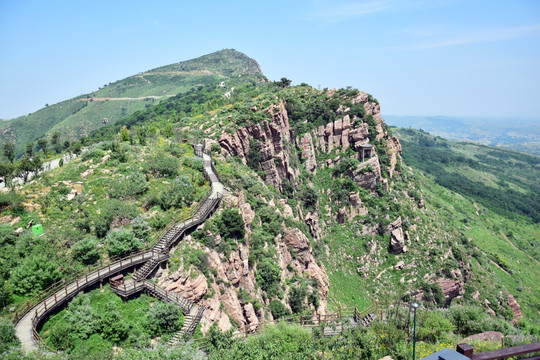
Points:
(272, 137)
(230, 289)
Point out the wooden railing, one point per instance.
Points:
(76, 282)
(315, 320)
(81, 279)
(468, 351)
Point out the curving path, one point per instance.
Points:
(34, 311)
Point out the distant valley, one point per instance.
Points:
(517, 134)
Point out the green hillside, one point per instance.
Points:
(324, 209)
(81, 115)
(504, 181)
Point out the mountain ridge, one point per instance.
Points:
(84, 113)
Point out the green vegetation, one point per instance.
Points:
(95, 321)
(503, 181)
(466, 214)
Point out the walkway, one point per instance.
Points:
(35, 310)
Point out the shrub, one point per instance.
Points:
(231, 224)
(83, 319)
(268, 276)
(164, 318)
(296, 299)
(278, 309)
(8, 338)
(181, 193)
(163, 165)
(111, 324)
(86, 250)
(140, 228)
(433, 326)
(133, 184)
(309, 196)
(121, 242)
(34, 274)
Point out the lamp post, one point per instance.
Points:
(415, 306)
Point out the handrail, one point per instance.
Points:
(311, 321)
(80, 279)
(468, 351)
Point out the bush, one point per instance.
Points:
(296, 299)
(278, 309)
(163, 165)
(8, 338)
(34, 274)
(269, 276)
(231, 224)
(86, 250)
(309, 196)
(83, 319)
(111, 324)
(181, 193)
(131, 185)
(433, 326)
(140, 228)
(121, 241)
(164, 318)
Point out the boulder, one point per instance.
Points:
(515, 307)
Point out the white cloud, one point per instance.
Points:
(479, 37)
(335, 13)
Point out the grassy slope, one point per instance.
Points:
(508, 256)
(78, 116)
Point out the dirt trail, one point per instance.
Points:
(125, 98)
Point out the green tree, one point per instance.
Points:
(9, 151)
(231, 224)
(164, 318)
(269, 276)
(6, 170)
(86, 250)
(76, 148)
(296, 299)
(42, 143)
(55, 141)
(284, 82)
(121, 241)
(124, 134)
(278, 309)
(37, 165)
(29, 149)
(34, 274)
(111, 324)
(25, 167)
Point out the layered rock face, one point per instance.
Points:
(230, 292)
(274, 136)
(271, 136)
(232, 273)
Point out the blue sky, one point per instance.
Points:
(418, 57)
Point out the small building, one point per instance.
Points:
(366, 150)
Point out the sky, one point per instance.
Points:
(417, 57)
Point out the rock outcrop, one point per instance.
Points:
(295, 250)
(397, 241)
(270, 135)
(515, 307)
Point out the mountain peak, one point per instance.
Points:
(226, 62)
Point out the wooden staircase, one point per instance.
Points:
(191, 321)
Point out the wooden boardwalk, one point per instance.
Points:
(34, 311)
